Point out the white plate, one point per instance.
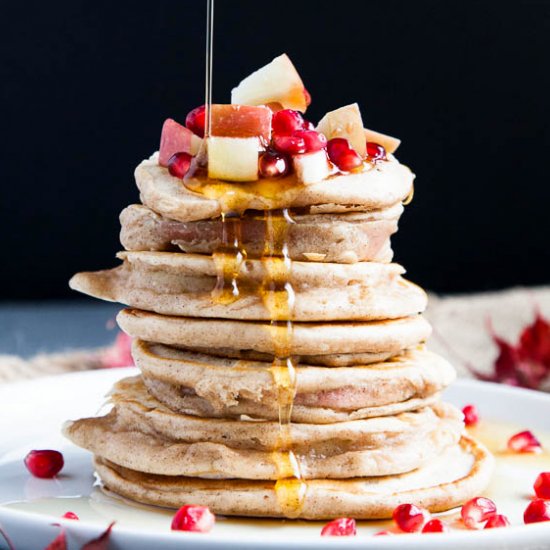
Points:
(32, 413)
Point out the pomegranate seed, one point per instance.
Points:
(383, 533)
(410, 518)
(273, 164)
(375, 151)
(524, 442)
(341, 527)
(292, 145)
(471, 415)
(196, 120)
(498, 520)
(70, 515)
(537, 510)
(477, 511)
(286, 122)
(308, 97)
(308, 125)
(341, 154)
(314, 140)
(179, 164)
(435, 526)
(542, 485)
(198, 519)
(44, 464)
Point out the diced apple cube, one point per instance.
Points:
(176, 138)
(241, 121)
(345, 122)
(233, 158)
(276, 82)
(311, 167)
(388, 142)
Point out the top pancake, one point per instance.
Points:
(381, 186)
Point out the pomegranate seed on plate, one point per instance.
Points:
(477, 511)
(286, 122)
(273, 164)
(314, 140)
(524, 442)
(196, 120)
(542, 485)
(179, 164)
(383, 533)
(70, 515)
(497, 520)
(45, 464)
(471, 415)
(198, 519)
(341, 154)
(292, 145)
(341, 527)
(375, 151)
(435, 526)
(410, 518)
(537, 510)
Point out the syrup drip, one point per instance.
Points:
(278, 297)
(228, 259)
(409, 197)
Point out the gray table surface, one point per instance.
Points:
(28, 328)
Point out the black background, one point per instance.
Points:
(87, 85)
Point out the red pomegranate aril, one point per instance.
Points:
(435, 526)
(477, 511)
(538, 510)
(341, 527)
(308, 125)
(179, 164)
(341, 154)
(496, 521)
(314, 140)
(196, 120)
(471, 415)
(44, 464)
(272, 164)
(524, 442)
(70, 515)
(410, 518)
(198, 519)
(291, 145)
(542, 485)
(383, 533)
(375, 151)
(286, 122)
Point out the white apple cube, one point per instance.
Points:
(276, 82)
(311, 167)
(345, 122)
(388, 142)
(232, 158)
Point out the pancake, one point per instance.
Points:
(140, 434)
(204, 385)
(173, 283)
(380, 186)
(340, 238)
(458, 474)
(331, 344)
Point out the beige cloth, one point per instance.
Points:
(459, 321)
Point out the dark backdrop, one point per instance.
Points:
(86, 86)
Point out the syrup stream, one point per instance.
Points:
(208, 67)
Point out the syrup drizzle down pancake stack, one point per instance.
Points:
(282, 357)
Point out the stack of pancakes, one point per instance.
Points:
(282, 358)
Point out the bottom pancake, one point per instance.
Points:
(458, 474)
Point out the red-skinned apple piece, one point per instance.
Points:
(241, 121)
(176, 138)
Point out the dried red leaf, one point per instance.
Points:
(534, 342)
(101, 542)
(59, 543)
